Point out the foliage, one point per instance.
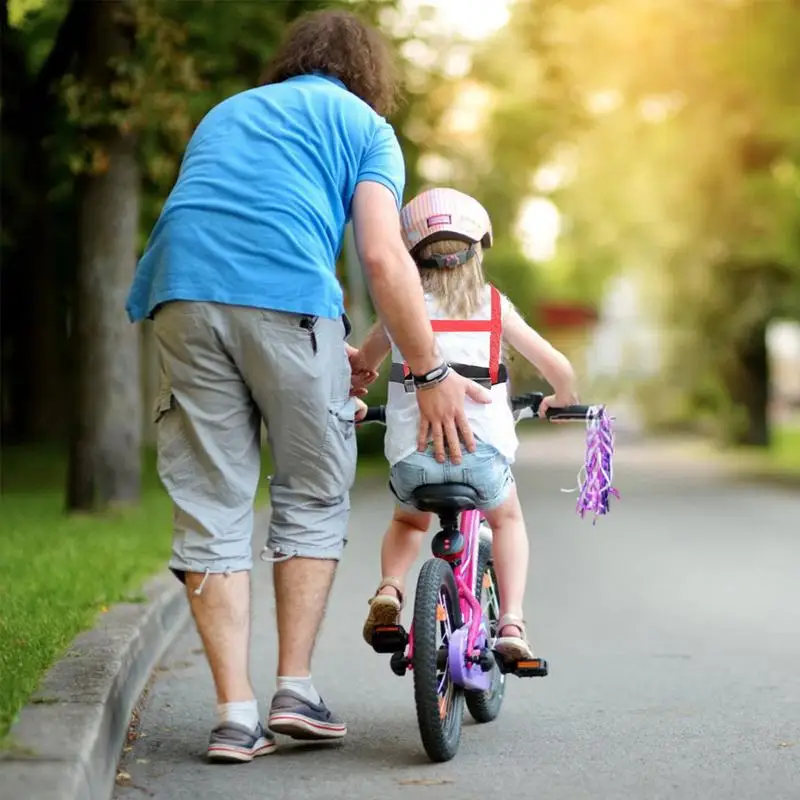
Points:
(677, 134)
(671, 126)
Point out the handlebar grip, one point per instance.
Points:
(568, 412)
(530, 400)
(534, 399)
(375, 414)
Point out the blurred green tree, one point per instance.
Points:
(679, 131)
(99, 100)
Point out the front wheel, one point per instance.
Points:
(440, 703)
(484, 706)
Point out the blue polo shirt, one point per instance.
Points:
(258, 213)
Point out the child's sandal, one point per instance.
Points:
(514, 648)
(383, 608)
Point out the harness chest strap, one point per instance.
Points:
(493, 326)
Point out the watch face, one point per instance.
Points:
(435, 373)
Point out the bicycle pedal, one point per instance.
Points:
(389, 638)
(531, 668)
(534, 668)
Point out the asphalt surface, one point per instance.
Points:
(672, 629)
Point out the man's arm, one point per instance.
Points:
(397, 293)
(392, 275)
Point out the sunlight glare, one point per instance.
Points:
(538, 227)
(470, 19)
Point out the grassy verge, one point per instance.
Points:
(780, 463)
(787, 449)
(59, 572)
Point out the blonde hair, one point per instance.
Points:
(459, 290)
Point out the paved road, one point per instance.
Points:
(672, 630)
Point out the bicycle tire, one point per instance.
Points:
(484, 706)
(440, 735)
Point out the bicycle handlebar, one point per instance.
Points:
(533, 400)
(375, 414)
(530, 401)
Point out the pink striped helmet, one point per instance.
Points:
(438, 214)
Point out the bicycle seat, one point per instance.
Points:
(443, 498)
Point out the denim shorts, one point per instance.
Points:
(486, 470)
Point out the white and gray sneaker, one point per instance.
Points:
(234, 743)
(295, 716)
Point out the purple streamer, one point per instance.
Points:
(596, 489)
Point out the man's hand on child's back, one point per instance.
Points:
(442, 417)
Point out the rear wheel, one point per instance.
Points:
(440, 703)
(485, 706)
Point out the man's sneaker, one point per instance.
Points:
(233, 742)
(293, 715)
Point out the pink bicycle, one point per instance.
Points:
(457, 603)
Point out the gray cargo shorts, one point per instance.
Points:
(223, 368)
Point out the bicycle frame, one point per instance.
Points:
(468, 643)
(473, 633)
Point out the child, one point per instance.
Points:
(446, 232)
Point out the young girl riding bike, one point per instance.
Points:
(446, 233)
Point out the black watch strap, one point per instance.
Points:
(432, 377)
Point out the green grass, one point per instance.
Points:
(59, 572)
(786, 450)
(781, 462)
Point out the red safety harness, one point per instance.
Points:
(493, 326)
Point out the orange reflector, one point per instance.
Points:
(535, 664)
(487, 581)
(442, 707)
(441, 614)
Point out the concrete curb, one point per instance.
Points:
(67, 740)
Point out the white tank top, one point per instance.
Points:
(492, 423)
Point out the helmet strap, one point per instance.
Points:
(448, 260)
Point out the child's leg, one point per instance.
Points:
(401, 545)
(510, 550)
(399, 550)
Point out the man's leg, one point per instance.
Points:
(208, 460)
(311, 433)
(222, 614)
(302, 586)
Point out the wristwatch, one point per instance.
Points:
(432, 377)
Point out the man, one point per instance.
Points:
(239, 278)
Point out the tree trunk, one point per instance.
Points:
(43, 325)
(748, 382)
(33, 309)
(105, 451)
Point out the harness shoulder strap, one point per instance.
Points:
(493, 326)
(495, 333)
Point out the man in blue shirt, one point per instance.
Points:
(239, 279)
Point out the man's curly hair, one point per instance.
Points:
(339, 44)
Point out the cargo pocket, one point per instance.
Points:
(174, 455)
(339, 448)
(339, 444)
(164, 403)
